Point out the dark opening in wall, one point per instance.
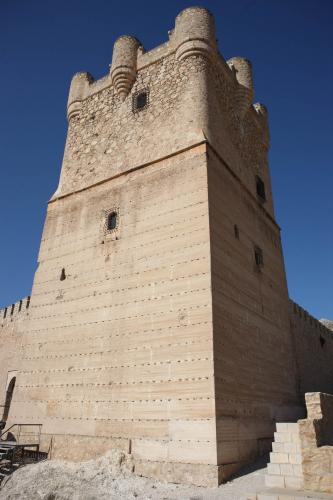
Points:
(258, 257)
(322, 341)
(112, 221)
(62, 275)
(236, 231)
(260, 186)
(140, 100)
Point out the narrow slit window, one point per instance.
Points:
(258, 257)
(236, 231)
(112, 221)
(260, 185)
(62, 275)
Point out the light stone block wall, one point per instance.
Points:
(285, 467)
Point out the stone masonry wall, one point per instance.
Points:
(194, 95)
(106, 138)
(240, 139)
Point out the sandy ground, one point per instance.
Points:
(111, 477)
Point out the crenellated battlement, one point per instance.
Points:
(193, 35)
(190, 89)
(313, 346)
(10, 312)
(306, 317)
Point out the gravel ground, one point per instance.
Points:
(111, 478)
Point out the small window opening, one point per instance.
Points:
(112, 221)
(12, 310)
(258, 257)
(5, 313)
(140, 100)
(260, 188)
(20, 306)
(322, 341)
(236, 231)
(62, 275)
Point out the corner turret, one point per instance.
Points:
(243, 73)
(124, 64)
(77, 92)
(194, 33)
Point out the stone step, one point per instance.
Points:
(286, 494)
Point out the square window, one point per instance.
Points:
(260, 186)
(140, 100)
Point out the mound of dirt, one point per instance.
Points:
(111, 477)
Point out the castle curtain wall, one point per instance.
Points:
(12, 323)
(313, 347)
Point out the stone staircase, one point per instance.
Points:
(288, 494)
(19, 445)
(301, 463)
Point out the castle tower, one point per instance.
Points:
(159, 316)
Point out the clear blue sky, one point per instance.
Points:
(43, 43)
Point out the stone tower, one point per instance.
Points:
(159, 320)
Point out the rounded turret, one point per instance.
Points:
(194, 33)
(124, 64)
(243, 73)
(77, 92)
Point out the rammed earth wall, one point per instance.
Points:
(168, 333)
